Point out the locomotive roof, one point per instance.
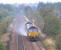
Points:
(28, 23)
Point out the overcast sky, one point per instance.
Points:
(27, 1)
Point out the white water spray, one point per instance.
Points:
(18, 24)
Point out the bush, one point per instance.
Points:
(58, 41)
(2, 47)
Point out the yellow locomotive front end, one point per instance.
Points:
(33, 32)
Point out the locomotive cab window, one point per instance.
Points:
(33, 29)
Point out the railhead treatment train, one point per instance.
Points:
(32, 31)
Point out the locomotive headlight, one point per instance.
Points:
(29, 34)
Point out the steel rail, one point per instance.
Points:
(23, 43)
(17, 41)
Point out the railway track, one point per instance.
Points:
(25, 44)
(20, 44)
(38, 46)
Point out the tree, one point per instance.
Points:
(52, 25)
(28, 11)
(4, 24)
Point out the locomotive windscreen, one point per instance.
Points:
(33, 29)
